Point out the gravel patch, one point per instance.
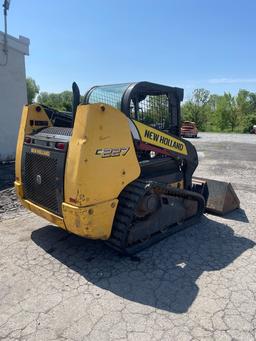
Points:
(7, 174)
(10, 206)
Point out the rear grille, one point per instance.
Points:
(56, 131)
(40, 181)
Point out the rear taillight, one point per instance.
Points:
(27, 139)
(60, 145)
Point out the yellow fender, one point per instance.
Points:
(101, 161)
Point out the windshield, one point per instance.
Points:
(108, 94)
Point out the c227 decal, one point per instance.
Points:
(112, 152)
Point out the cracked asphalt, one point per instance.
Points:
(199, 284)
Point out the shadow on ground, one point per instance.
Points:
(165, 275)
(237, 215)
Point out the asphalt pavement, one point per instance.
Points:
(199, 284)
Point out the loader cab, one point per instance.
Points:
(153, 104)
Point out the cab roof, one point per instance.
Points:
(120, 95)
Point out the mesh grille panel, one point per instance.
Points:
(56, 131)
(40, 181)
(152, 110)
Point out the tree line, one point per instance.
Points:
(59, 101)
(210, 112)
(225, 112)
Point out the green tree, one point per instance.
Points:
(32, 89)
(197, 109)
(201, 97)
(246, 107)
(243, 101)
(212, 117)
(66, 99)
(61, 101)
(227, 112)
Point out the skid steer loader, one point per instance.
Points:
(115, 168)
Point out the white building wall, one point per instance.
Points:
(13, 93)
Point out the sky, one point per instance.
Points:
(187, 43)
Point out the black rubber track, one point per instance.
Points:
(128, 201)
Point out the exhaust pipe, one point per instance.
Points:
(75, 101)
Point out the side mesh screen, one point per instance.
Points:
(152, 110)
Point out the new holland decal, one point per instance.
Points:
(160, 139)
(40, 151)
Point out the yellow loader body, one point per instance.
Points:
(100, 162)
(117, 171)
